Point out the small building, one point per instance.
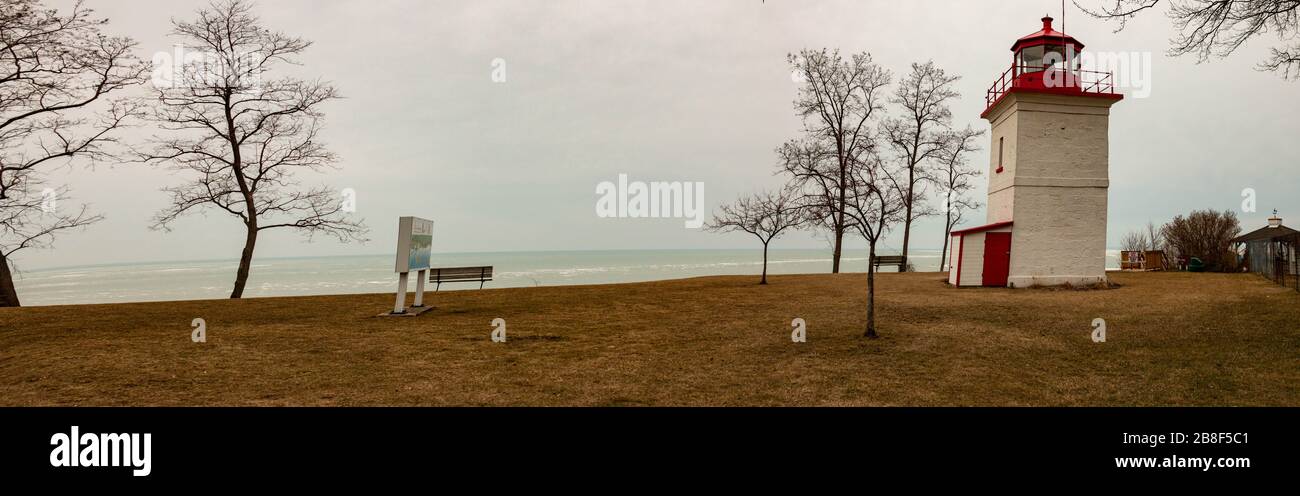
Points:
(1131, 260)
(1271, 251)
(1048, 172)
(981, 256)
(1146, 260)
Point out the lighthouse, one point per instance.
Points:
(1048, 172)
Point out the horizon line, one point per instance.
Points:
(497, 252)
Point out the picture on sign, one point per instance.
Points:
(414, 244)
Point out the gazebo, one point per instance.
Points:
(1271, 251)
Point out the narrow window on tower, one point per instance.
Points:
(1000, 140)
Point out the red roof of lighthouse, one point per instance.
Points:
(1046, 36)
(1051, 76)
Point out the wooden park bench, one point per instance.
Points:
(891, 260)
(460, 274)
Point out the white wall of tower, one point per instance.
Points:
(1053, 186)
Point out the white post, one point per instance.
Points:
(400, 307)
(419, 288)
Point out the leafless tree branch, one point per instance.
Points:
(57, 71)
(243, 138)
(1217, 28)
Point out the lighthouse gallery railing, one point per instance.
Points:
(1051, 80)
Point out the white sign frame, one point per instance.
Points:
(409, 230)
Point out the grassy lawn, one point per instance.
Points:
(1172, 339)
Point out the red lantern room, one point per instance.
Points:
(1047, 61)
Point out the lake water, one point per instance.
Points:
(117, 283)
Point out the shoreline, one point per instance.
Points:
(371, 274)
(445, 253)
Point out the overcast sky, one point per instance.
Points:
(662, 90)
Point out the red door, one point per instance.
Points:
(997, 258)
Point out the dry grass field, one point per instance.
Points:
(1172, 339)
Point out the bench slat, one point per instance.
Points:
(467, 277)
(461, 269)
(458, 273)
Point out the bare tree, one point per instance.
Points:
(836, 101)
(1134, 241)
(1207, 235)
(1155, 240)
(919, 133)
(56, 72)
(1149, 238)
(766, 215)
(953, 177)
(820, 183)
(243, 137)
(1217, 28)
(875, 204)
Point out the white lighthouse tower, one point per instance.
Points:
(1048, 172)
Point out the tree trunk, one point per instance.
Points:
(245, 262)
(839, 211)
(8, 295)
(250, 207)
(871, 297)
(839, 228)
(907, 221)
(947, 235)
(764, 281)
(943, 255)
(839, 243)
(907, 235)
(910, 200)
